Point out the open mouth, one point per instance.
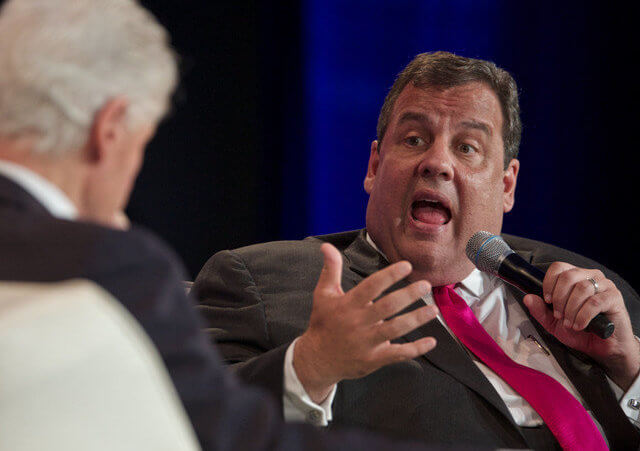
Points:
(431, 212)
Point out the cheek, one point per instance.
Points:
(481, 197)
(391, 186)
(139, 158)
(134, 159)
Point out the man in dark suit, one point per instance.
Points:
(82, 87)
(444, 166)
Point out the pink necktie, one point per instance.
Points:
(566, 418)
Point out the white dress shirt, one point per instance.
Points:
(49, 195)
(506, 322)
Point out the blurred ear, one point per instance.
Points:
(372, 168)
(509, 179)
(108, 130)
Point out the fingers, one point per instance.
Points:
(397, 301)
(539, 310)
(350, 328)
(598, 303)
(573, 296)
(550, 281)
(403, 324)
(560, 282)
(330, 277)
(581, 297)
(371, 287)
(569, 289)
(395, 353)
(572, 282)
(551, 278)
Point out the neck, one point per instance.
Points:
(62, 171)
(440, 275)
(437, 273)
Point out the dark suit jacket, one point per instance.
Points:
(145, 276)
(257, 299)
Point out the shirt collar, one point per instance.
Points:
(474, 283)
(373, 245)
(45, 192)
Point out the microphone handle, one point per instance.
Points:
(519, 273)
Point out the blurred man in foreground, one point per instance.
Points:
(506, 371)
(83, 86)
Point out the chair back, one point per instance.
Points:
(77, 372)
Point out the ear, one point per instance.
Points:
(108, 130)
(509, 179)
(372, 169)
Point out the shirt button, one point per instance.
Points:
(634, 404)
(314, 416)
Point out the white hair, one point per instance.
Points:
(62, 60)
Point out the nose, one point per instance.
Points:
(437, 161)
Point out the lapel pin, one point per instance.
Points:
(532, 338)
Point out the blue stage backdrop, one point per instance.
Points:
(279, 103)
(353, 50)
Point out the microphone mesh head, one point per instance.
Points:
(487, 251)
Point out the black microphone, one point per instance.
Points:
(491, 254)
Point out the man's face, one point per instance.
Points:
(438, 177)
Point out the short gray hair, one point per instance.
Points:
(62, 60)
(445, 70)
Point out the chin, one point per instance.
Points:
(423, 255)
(435, 262)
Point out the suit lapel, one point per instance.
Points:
(451, 358)
(589, 379)
(363, 260)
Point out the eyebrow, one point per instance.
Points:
(411, 116)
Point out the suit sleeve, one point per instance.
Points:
(236, 322)
(146, 277)
(226, 415)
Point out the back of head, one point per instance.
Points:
(63, 60)
(445, 70)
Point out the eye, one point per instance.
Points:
(414, 141)
(467, 148)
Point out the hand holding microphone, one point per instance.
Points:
(490, 253)
(581, 307)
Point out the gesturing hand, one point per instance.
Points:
(575, 303)
(349, 334)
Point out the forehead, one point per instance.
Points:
(474, 101)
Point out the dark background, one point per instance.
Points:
(272, 124)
